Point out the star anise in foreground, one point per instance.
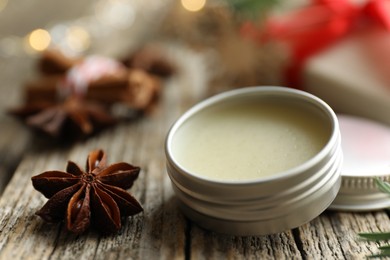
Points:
(95, 196)
(73, 115)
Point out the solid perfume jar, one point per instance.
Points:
(256, 160)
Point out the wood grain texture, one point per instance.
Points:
(334, 235)
(210, 245)
(158, 232)
(15, 141)
(161, 231)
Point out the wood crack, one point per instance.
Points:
(339, 243)
(187, 243)
(299, 243)
(56, 240)
(95, 254)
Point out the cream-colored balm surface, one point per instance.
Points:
(249, 140)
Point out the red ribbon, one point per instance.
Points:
(317, 26)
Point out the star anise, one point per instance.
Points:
(94, 196)
(77, 96)
(72, 114)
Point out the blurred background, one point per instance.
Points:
(116, 28)
(319, 46)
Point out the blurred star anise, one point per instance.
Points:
(76, 96)
(73, 115)
(95, 196)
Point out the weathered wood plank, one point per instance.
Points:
(210, 245)
(159, 228)
(14, 142)
(158, 232)
(334, 235)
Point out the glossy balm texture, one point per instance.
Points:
(247, 140)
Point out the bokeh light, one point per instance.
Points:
(77, 38)
(193, 5)
(39, 39)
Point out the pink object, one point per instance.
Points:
(91, 69)
(365, 145)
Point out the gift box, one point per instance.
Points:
(344, 76)
(338, 51)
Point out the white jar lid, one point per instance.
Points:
(366, 149)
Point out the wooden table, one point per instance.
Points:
(161, 231)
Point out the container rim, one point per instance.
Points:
(242, 92)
